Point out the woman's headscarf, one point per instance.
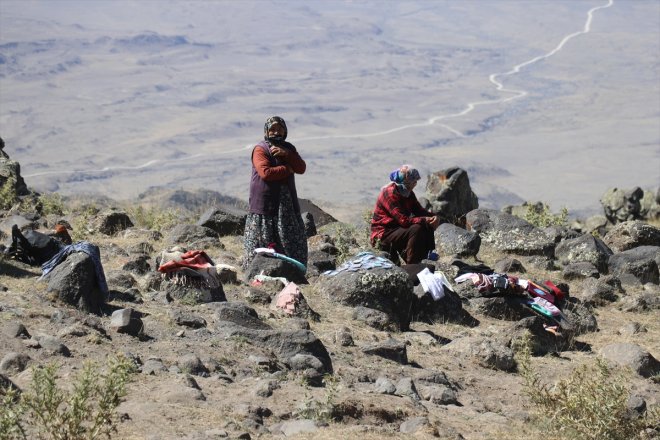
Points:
(269, 123)
(404, 177)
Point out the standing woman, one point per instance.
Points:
(274, 215)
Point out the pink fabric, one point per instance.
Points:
(288, 298)
(193, 259)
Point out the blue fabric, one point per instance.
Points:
(81, 246)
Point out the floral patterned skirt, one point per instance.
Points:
(285, 231)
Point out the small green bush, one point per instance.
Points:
(51, 203)
(48, 412)
(8, 194)
(540, 216)
(590, 404)
(81, 229)
(153, 218)
(322, 410)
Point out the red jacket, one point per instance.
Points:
(395, 211)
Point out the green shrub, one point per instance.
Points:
(48, 412)
(51, 203)
(540, 216)
(153, 218)
(591, 403)
(80, 228)
(8, 194)
(322, 410)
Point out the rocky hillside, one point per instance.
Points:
(360, 350)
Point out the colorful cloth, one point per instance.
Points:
(195, 259)
(288, 298)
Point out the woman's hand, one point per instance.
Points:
(278, 152)
(434, 222)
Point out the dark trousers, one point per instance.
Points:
(412, 243)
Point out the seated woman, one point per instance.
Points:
(399, 224)
(274, 215)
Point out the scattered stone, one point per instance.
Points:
(632, 328)
(192, 236)
(127, 321)
(631, 234)
(111, 222)
(344, 337)
(187, 319)
(581, 317)
(374, 318)
(153, 366)
(15, 330)
(405, 387)
(265, 388)
(190, 382)
(509, 265)
(310, 225)
(640, 262)
(579, 271)
(139, 264)
(14, 363)
(224, 220)
(295, 427)
(411, 426)
(440, 395)
(192, 364)
(384, 386)
(508, 233)
(52, 345)
(274, 267)
(595, 293)
(456, 241)
(586, 248)
(390, 349)
(255, 295)
(486, 352)
(633, 356)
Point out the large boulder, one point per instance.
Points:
(630, 234)
(586, 248)
(621, 205)
(454, 240)
(192, 236)
(321, 217)
(449, 308)
(640, 263)
(225, 220)
(75, 282)
(389, 290)
(509, 233)
(242, 321)
(449, 193)
(112, 221)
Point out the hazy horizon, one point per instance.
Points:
(538, 100)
